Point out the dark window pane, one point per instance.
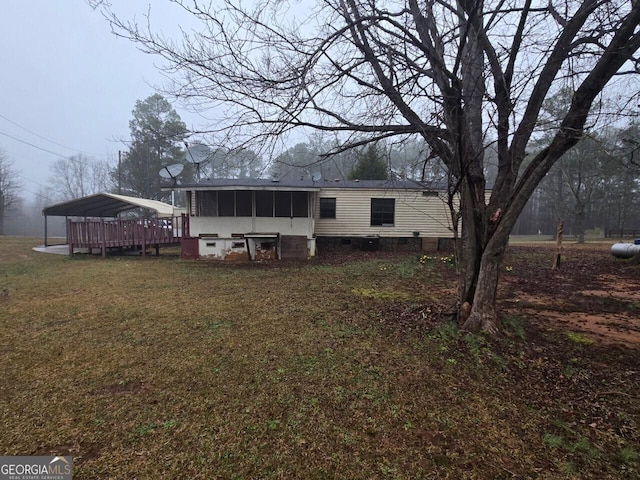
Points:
(283, 204)
(327, 208)
(207, 204)
(244, 203)
(300, 204)
(264, 204)
(226, 203)
(382, 211)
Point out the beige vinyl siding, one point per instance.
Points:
(414, 212)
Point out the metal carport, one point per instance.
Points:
(104, 205)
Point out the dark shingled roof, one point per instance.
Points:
(307, 184)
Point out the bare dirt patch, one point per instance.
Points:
(606, 329)
(593, 293)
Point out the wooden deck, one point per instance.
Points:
(133, 233)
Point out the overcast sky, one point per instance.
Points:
(68, 85)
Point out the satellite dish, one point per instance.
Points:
(198, 154)
(170, 172)
(316, 176)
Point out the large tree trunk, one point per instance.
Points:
(467, 123)
(483, 312)
(469, 251)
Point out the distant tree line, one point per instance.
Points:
(595, 186)
(9, 188)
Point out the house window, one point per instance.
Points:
(226, 203)
(382, 211)
(244, 203)
(300, 204)
(327, 208)
(264, 204)
(207, 203)
(283, 204)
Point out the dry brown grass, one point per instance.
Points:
(163, 368)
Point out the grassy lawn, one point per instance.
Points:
(164, 368)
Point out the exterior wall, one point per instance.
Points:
(223, 248)
(414, 212)
(416, 215)
(220, 236)
(226, 226)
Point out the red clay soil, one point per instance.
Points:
(593, 293)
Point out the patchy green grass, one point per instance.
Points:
(579, 338)
(163, 368)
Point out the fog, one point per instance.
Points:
(69, 85)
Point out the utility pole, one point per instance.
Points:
(119, 172)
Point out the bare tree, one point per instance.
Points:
(461, 74)
(9, 188)
(78, 176)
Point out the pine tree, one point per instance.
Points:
(157, 133)
(370, 166)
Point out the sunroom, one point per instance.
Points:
(252, 219)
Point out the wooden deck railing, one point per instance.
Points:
(104, 234)
(622, 233)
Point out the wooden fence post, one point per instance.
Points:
(144, 238)
(557, 260)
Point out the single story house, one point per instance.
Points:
(288, 219)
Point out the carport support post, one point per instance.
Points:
(45, 232)
(69, 236)
(103, 243)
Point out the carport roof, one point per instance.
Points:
(105, 205)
